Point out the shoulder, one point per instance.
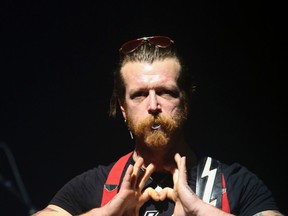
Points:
(100, 172)
(246, 189)
(83, 191)
(88, 179)
(238, 173)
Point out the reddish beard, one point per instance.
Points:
(156, 138)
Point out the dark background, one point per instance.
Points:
(57, 59)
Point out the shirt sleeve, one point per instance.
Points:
(83, 192)
(247, 193)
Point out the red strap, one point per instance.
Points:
(110, 188)
(225, 202)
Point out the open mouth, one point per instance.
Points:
(155, 127)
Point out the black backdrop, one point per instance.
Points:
(55, 82)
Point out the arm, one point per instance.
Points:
(187, 202)
(269, 213)
(52, 210)
(127, 202)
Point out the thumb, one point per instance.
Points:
(165, 193)
(151, 193)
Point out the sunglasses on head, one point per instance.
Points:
(158, 41)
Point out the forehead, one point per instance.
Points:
(158, 72)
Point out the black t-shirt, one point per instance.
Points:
(247, 194)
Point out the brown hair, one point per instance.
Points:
(149, 53)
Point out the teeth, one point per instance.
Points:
(155, 127)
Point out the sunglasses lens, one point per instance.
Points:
(130, 46)
(160, 41)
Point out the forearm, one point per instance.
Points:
(269, 213)
(103, 211)
(201, 208)
(205, 209)
(53, 210)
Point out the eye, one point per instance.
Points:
(139, 95)
(168, 93)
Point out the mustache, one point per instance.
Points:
(165, 122)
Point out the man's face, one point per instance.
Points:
(153, 106)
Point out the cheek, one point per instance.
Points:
(174, 108)
(134, 114)
(174, 111)
(137, 110)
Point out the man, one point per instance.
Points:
(162, 176)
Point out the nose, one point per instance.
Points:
(153, 106)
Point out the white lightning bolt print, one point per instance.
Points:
(151, 213)
(210, 181)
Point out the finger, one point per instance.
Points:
(175, 176)
(165, 193)
(181, 164)
(146, 175)
(129, 170)
(150, 193)
(137, 166)
(183, 171)
(136, 171)
(127, 176)
(177, 159)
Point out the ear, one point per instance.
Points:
(122, 109)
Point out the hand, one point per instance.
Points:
(186, 201)
(181, 194)
(127, 202)
(131, 197)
